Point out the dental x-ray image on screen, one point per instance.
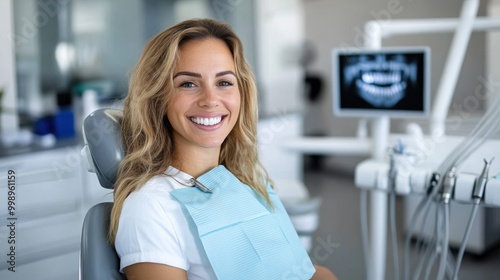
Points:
(392, 81)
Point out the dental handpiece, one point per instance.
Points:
(481, 181)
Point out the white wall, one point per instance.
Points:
(492, 47)
(7, 70)
(280, 33)
(334, 23)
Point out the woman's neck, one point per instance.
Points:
(195, 162)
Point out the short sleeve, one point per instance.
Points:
(146, 234)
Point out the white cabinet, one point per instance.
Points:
(53, 191)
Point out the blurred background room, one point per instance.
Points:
(62, 59)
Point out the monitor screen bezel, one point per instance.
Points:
(368, 112)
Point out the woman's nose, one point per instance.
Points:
(208, 98)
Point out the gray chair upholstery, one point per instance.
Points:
(104, 151)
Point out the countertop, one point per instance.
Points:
(33, 148)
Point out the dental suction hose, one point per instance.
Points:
(477, 196)
(447, 191)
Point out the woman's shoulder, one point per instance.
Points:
(159, 183)
(152, 206)
(156, 191)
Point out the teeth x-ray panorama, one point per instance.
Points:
(385, 81)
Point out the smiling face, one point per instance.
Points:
(205, 103)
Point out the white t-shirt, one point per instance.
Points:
(154, 228)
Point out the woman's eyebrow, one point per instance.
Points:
(198, 75)
(187, 73)
(225, 73)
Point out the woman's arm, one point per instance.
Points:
(154, 271)
(323, 273)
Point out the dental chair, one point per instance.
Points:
(104, 151)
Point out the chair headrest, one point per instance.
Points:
(104, 144)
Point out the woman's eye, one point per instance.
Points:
(187, 85)
(225, 83)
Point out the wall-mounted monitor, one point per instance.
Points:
(391, 81)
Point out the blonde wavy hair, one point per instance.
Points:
(146, 131)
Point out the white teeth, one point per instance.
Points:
(381, 78)
(207, 121)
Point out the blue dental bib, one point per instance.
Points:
(243, 237)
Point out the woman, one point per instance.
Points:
(192, 200)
